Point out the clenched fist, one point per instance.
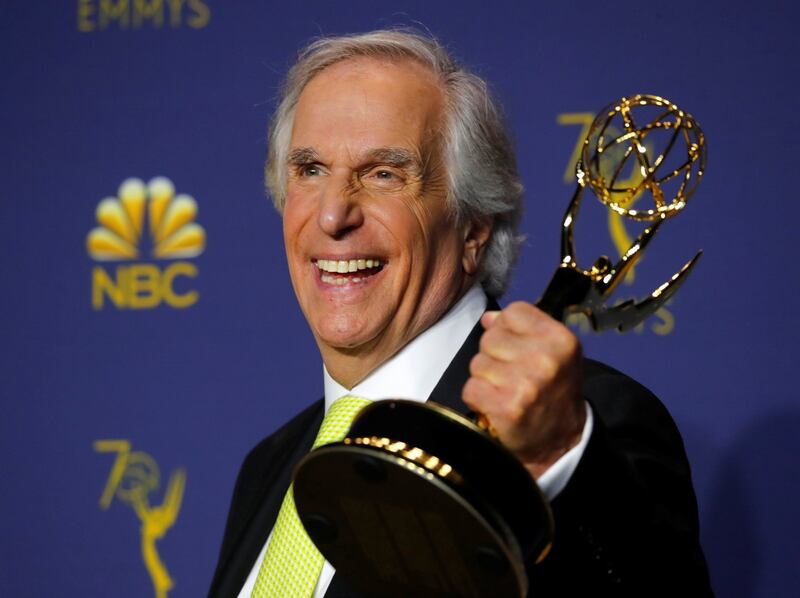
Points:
(527, 380)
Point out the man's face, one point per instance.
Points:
(366, 194)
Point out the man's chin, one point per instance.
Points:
(351, 338)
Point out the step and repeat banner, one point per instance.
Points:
(150, 335)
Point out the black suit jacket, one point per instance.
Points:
(626, 523)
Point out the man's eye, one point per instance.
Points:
(384, 179)
(310, 170)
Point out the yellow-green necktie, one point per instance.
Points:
(292, 563)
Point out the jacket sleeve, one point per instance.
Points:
(626, 524)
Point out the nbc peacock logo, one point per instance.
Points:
(145, 221)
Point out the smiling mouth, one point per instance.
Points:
(341, 272)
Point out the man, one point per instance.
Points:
(400, 198)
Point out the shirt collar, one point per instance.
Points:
(416, 369)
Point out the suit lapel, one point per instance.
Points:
(448, 391)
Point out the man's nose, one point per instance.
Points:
(340, 211)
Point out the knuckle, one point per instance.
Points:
(518, 307)
(492, 340)
(516, 311)
(480, 365)
(524, 317)
(487, 339)
(468, 392)
(475, 365)
(547, 366)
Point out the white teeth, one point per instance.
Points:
(346, 266)
(334, 280)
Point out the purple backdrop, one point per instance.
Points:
(96, 93)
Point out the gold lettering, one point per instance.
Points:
(175, 8)
(167, 290)
(667, 323)
(114, 11)
(85, 11)
(103, 285)
(101, 14)
(143, 286)
(148, 9)
(201, 16)
(584, 119)
(122, 448)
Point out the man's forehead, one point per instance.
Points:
(385, 110)
(404, 81)
(373, 66)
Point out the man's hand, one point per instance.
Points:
(527, 380)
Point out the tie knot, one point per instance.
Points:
(338, 419)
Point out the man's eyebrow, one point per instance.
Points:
(303, 155)
(393, 156)
(397, 157)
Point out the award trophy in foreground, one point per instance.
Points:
(418, 500)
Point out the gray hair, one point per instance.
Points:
(479, 157)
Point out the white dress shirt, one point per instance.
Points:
(413, 374)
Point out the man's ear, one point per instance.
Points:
(476, 236)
